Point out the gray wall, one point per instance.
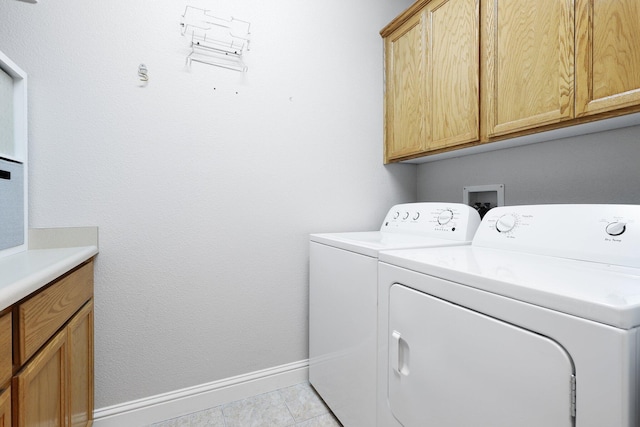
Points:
(597, 168)
(205, 182)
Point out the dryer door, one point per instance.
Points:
(451, 367)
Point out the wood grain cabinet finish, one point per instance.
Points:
(40, 388)
(453, 67)
(608, 55)
(43, 314)
(80, 367)
(528, 57)
(53, 385)
(432, 78)
(5, 408)
(6, 364)
(405, 101)
(543, 65)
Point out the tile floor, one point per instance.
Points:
(295, 406)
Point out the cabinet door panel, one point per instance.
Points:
(529, 53)
(42, 315)
(608, 55)
(405, 93)
(452, 72)
(5, 349)
(80, 368)
(41, 387)
(5, 408)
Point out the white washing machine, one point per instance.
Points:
(536, 324)
(343, 299)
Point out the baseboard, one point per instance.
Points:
(146, 411)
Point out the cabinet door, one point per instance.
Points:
(80, 367)
(405, 108)
(528, 53)
(453, 62)
(6, 364)
(41, 387)
(608, 55)
(5, 408)
(43, 314)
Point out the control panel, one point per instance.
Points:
(599, 233)
(445, 220)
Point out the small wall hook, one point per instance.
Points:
(142, 73)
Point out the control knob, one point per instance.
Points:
(445, 216)
(506, 223)
(616, 228)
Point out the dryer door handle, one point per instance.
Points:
(399, 354)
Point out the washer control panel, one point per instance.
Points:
(443, 220)
(599, 233)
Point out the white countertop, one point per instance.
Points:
(53, 253)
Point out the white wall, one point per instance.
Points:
(597, 168)
(206, 182)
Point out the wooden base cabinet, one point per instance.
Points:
(56, 387)
(5, 408)
(80, 367)
(5, 369)
(40, 388)
(53, 385)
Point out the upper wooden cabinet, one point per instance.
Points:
(528, 52)
(608, 55)
(432, 78)
(405, 95)
(540, 65)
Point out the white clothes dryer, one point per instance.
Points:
(343, 299)
(536, 324)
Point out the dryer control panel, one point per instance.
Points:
(453, 221)
(598, 233)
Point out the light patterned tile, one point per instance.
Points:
(326, 420)
(303, 402)
(174, 422)
(183, 421)
(264, 410)
(208, 418)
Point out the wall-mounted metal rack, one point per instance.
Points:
(214, 40)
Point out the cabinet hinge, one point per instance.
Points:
(573, 396)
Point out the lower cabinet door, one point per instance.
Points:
(5, 408)
(80, 368)
(41, 387)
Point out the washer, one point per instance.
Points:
(343, 299)
(535, 324)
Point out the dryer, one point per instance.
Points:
(343, 299)
(536, 323)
